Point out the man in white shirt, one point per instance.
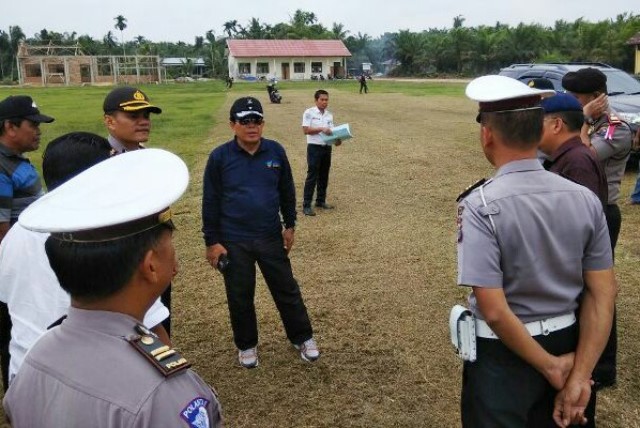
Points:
(27, 284)
(316, 121)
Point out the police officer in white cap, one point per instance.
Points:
(111, 248)
(529, 244)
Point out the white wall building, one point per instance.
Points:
(286, 59)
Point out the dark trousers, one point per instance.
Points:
(318, 166)
(363, 85)
(605, 371)
(5, 338)
(500, 389)
(165, 298)
(240, 284)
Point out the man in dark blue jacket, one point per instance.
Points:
(248, 186)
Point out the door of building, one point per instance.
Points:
(285, 71)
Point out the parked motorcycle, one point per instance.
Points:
(274, 94)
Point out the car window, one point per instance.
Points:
(621, 83)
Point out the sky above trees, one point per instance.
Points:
(167, 20)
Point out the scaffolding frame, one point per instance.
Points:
(50, 64)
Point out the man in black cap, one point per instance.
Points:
(248, 185)
(20, 184)
(127, 116)
(610, 139)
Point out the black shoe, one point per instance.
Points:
(308, 211)
(324, 206)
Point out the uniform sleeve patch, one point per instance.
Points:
(195, 413)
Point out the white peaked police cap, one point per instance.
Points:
(119, 197)
(501, 93)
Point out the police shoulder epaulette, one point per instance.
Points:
(168, 361)
(614, 120)
(469, 189)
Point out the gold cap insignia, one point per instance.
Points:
(164, 216)
(138, 96)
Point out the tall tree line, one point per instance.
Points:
(459, 50)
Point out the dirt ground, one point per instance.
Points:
(377, 274)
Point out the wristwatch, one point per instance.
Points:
(589, 120)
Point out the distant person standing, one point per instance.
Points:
(363, 83)
(229, 82)
(20, 184)
(316, 121)
(127, 116)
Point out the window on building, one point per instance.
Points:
(316, 67)
(262, 68)
(33, 70)
(298, 67)
(85, 73)
(104, 66)
(244, 68)
(55, 68)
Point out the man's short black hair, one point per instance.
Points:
(91, 271)
(320, 92)
(519, 129)
(70, 154)
(14, 122)
(573, 119)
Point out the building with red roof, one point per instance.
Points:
(286, 59)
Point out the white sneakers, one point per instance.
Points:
(248, 358)
(308, 350)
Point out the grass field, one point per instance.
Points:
(378, 274)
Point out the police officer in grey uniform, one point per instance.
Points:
(527, 266)
(111, 248)
(610, 139)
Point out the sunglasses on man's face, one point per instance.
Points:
(250, 121)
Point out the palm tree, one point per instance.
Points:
(338, 32)
(108, 41)
(121, 24)
(231, 27)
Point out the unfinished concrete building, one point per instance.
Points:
(52, 65)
